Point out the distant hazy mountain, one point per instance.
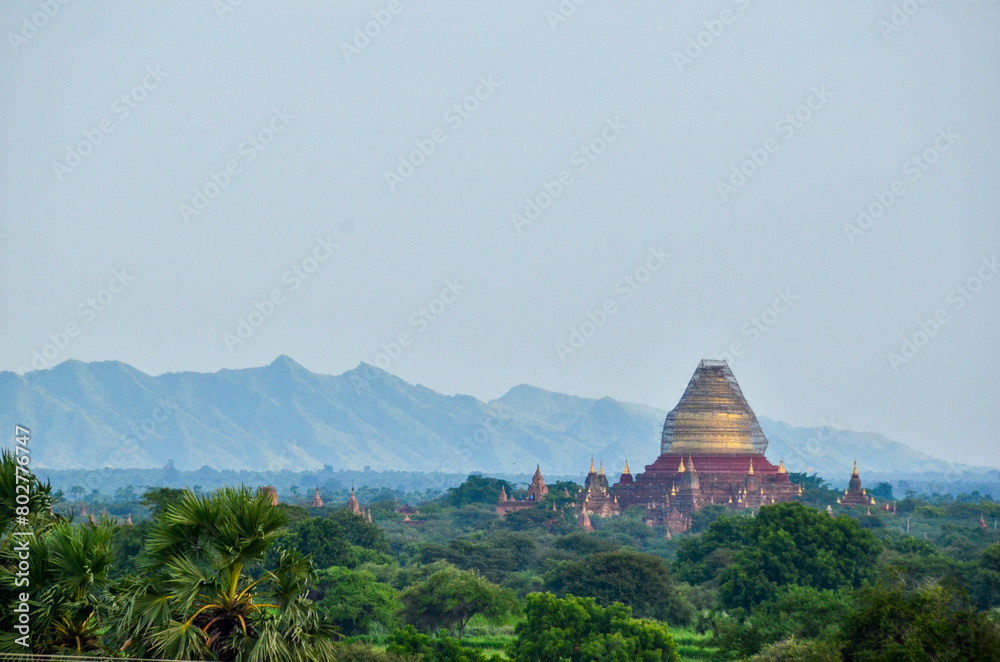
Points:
(281, 416)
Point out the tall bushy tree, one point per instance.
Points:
(640, 581)
(450, 597)
(203, 593)
(791, 545)
(579, 630)
(890, 624)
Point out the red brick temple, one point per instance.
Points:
(711, 452)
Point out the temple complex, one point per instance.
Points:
(536, 492)
(711, 452)
(317, 501)
(596, 497)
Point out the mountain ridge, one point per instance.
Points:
(283, 416)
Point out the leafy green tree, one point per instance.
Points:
(882, 491)
(354, 599)
(440, 648)
(640, 581)
(793, 650)
(701, 559)
(894, 625)
(985, 590)
(477, 489)
(450, 597)
(579, 543)
(320, 538)
(579, 630)
(792, 544)
(703, 517)
(203, 593)
(795, 612)
(158, 499)
(359, 531)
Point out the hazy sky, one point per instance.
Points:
(164, 166)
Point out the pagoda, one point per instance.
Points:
(353, 505)
(536, 492)
(596, 496)
(711, 452)
(269, 493)
(855, 494)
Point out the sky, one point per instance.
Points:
(584, 196)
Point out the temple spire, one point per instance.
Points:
(855, 473)
(781, 467)
(681, 469)
(626, 467)
(751, 467)
(601, 472)
(592, 464)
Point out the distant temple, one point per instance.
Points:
(353, 505)
(536, 492)
(269, 493)
(317, 501)
(595, 497)
(711, 452)
(855, 494)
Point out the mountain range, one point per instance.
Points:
(282, 416)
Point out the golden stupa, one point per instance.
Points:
(712, 417)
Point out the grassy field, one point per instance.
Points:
(492, 639)
(693, 646)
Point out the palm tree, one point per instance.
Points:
(204, 593)
(67, 570)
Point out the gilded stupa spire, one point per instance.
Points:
(592, 465)
(626, 467)
(681, 469)
(601, 472)
(751, 467)
(855, 473)
(781, 467)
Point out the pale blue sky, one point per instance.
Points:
(679, 131)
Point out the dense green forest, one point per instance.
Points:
(226, 575)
